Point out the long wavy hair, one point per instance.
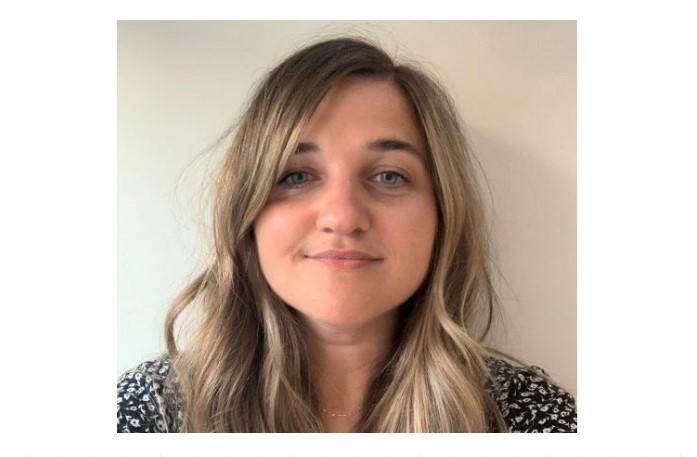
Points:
(244, 367)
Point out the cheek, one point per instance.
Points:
(411, 233)
(276, 231)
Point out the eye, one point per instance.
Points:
(392, 178)
(295, 179)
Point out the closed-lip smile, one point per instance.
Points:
(350, 260)
(346, 255)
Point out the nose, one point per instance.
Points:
(343, 208)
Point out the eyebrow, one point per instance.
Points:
(379, 145)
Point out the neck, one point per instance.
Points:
(343, 361)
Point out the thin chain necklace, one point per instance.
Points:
(336, 413)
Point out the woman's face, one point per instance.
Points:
(358, 182)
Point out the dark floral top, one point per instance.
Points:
(528, 399)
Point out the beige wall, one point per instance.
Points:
(181, 83)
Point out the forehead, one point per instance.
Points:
(366, 111)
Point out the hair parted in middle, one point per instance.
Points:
(245, 366)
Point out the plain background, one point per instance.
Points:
(180, 84)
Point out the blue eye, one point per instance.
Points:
(288, 181)
(392, 178)
(300, 178)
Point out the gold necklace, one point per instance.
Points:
(336, 413)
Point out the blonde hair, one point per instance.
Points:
(245, 368)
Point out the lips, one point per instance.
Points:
(344, 255)
(345, 260)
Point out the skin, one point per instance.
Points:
(346, 196)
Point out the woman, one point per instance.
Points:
(349, 287)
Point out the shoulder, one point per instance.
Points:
(144, 398)
(529, 400)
